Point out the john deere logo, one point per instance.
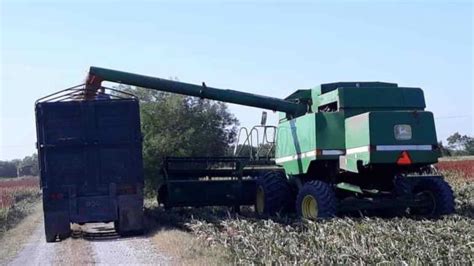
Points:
(402, 132)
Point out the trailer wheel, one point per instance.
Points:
(438, 195)
(50, 236)
(162, 196)
(125, 233)
(130, 222)
(316, 200)
(56, 225)
(273, 194)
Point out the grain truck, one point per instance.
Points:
(340, 147)
(90, 160)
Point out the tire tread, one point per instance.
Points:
(323, 193)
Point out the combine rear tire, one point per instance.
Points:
(273, 194)
(439, 195)
(316, 200)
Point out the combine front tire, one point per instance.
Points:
(439, 197)
(316, 200)
(273, 194)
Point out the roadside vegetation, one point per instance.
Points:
(18, 196)
(463, 169)
(343, 240)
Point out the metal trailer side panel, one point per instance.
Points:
(89, 154)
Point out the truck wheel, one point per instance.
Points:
(439, 197)
(56, 224)
(316, 200)
(50, 235)
(130, 224)
(65, 235)
(134, 232)
(273, 194)
(162, 196)
(120, 231)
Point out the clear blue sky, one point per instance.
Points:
(269, 48)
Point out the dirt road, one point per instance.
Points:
(89, 244)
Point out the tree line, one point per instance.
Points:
(457, 145)
(27, 166)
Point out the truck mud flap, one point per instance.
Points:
(56, 224)
(130, 215)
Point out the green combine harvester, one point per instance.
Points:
(340, 148)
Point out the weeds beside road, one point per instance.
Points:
(18, 196)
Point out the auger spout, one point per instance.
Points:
(97, 75)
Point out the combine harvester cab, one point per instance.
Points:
(90, 158)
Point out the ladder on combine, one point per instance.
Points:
(259, 141)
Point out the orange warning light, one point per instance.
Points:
(404, 158)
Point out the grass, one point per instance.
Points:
(18, 196)
(15, 239)
(341, 240)
(171, 237)
(185, 249)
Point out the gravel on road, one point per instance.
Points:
(94, 244)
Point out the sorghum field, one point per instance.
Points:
(359, 240)
(16, 198)
(461, 168)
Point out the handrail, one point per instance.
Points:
(236, 149)
(250, 138)
(78, 93)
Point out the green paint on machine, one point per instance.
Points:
(348, 119)
(364, 138)
(371, 138)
